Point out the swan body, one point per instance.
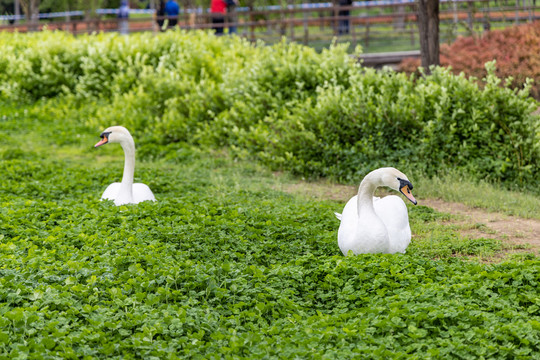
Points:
(376, 225)
(125, 192)
(141, 192)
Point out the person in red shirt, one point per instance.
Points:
(218, 9)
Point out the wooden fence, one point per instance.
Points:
(377, 26)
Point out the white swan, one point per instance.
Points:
(374, 225)
(125, 192)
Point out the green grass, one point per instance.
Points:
(227, 265)
(456, 187)
(451, 187)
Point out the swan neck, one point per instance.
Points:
(365, 194)
(129, 165)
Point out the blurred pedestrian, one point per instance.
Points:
(343, 23)
(231, 15)
(160, 14)
(123, 15)
(218, 9)
(172, 9)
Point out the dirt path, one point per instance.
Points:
(475, 222)
(511, 229)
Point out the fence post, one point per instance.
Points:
(251, 26)
(413, 32)
(269, 26)
(487, 24)
(291, 24)
(353, 32)
(282, 25)
(367, 33)
(470, 17)
(455, 25)
(306, 27)
(192, 20)
(17, 11)
(335, 22)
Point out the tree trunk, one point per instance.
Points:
(428, 26)
(31, 10)
(67, 8)
(17, 11)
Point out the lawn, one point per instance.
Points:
(226, 264)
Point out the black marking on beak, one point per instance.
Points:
(104, 139)
(405, 188)
(403, 182)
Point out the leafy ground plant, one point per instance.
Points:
(224, 265)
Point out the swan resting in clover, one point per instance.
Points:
(377, 225)
(125, 192)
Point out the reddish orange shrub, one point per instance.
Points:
(516, 49)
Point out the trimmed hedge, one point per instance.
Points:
(316, 114)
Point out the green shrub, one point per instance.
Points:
(286, 105)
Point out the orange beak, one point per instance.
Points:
(407, 192)
(103, 141)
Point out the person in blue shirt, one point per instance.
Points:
(123, 15)
(172, 10)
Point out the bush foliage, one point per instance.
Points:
(286, 105)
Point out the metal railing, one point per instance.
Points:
(376, 25)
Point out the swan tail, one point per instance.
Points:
(338, 215)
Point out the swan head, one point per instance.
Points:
(395, 179)
(114, 134)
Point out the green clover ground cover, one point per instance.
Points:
(225, 266)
